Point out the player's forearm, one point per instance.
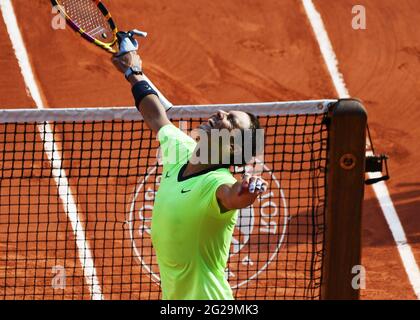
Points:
(134, 78)
(150, 107)
(153, 112)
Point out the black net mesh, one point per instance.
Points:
(76, 202)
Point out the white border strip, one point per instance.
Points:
(326, 48)
(380, 189)
(51, 150)
(183, 112)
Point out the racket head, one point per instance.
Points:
(91, 19)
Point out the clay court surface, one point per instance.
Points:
(203, 52)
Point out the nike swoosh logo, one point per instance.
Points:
(167, 176)
(185, 191)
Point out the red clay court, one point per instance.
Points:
(200, 52)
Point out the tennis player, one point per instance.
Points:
(197, 203)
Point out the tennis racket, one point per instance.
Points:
(92, 20)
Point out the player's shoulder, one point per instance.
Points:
(220, 176)
(171, 132)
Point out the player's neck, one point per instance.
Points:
(202, 158)
(194, 168)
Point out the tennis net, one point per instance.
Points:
(76, 197)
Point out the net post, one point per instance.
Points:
(345, 190)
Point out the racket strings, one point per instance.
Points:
(86, 14)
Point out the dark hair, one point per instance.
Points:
(255, 125)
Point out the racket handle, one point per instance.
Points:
(139, 33)
(127, 42)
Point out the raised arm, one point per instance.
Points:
(147, 102)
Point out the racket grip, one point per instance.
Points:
(139, 33)
(127, 41)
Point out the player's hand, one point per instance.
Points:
(128, 60)
(242, 194)
(252, 185)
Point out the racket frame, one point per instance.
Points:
(106, 46)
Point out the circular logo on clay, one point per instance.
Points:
(258, 236)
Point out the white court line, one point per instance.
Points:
(50, 148)
(380, 189)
